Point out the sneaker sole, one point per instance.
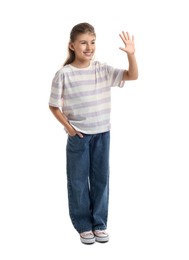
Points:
(102, 239)
(87, 241)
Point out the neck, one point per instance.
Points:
(79, 64)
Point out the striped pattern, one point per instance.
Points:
(85, 95)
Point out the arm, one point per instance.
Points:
(63, 120)
(132, 72)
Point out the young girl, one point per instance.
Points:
(80, 100)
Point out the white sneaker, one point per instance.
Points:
(87, 237)
(101, 236)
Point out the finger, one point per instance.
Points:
(121, 36)
(121, 48)
(126, 35)
(80, 134)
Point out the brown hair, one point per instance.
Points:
(76, 30)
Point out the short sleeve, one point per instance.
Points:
(115, 76)
(56, 95)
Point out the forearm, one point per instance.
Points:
(132, 72)
(63, 120)
(60, 117)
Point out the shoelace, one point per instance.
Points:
(86, 233)
(100, 232)
(89, 233)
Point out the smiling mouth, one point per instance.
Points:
(88, 54)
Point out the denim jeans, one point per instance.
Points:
(88, 180)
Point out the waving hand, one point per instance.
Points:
(129, 43)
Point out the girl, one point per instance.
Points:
(82, 89)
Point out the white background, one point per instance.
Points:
(149, 195)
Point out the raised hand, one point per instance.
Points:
(129, 43)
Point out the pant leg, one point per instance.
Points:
(78, 166)
(99, 179)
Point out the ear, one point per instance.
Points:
(71, 46)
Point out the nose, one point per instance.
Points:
(88, 46)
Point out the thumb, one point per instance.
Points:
(80, 134)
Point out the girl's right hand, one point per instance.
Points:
(72, 132)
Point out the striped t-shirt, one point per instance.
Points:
(84, 94)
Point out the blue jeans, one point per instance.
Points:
(88, 180)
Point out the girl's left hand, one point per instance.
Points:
(129, 43)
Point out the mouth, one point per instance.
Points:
(88, 54)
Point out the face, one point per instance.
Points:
(84, 47)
